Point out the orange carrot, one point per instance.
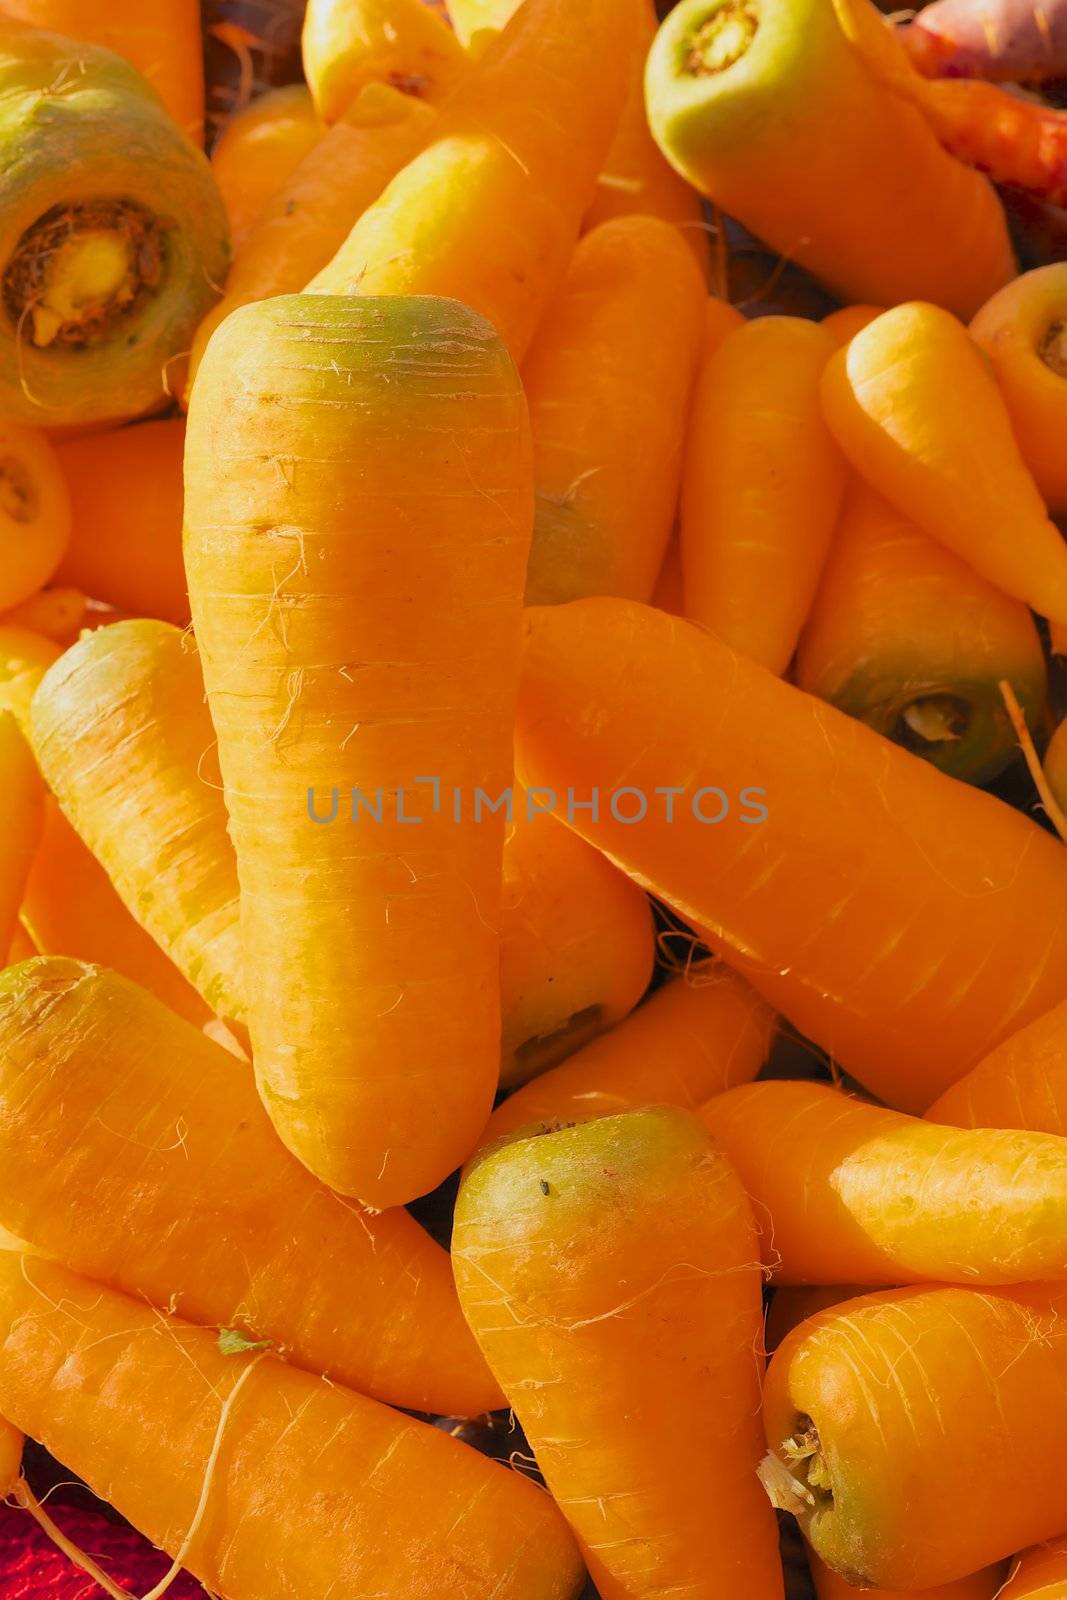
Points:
(592, 1262)
(576, 944)
(24, 658)
(162, 40)
(984, 1585)
(1023, 331)
(70, 908)
(371, 944)
(264, 1481)
(350, 43)
(489, 212)
(668, 595)
(916, 410)
(308, 219)
(34, 513)
(259, 150)
(762, 488)
(57, 614)
(21, 948)
(697, 1036)
(21, 787)
(126, 498)
(851, 1193)
(906, 636)
(609, 379)
(914, 1431)
(901, 920)
(1039, 1573)
(850, 320)
(1020, 1084)
(113, 1112)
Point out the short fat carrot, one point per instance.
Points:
(766, 107)
(23, 805)
(1020, 1084)
(591, 1263)
(105, 1094)
(1023, 331)
(350, 43)
(906, 636)
(851, 1193)
(259, 150)
(918, 1427)
(1039, 1573)
(308, 218)
(984, 1585)
(34, 513)
(126, 519)
(901, 920)
(762, 488)
(161, 40)
(488, 213)
(700, 1034)
(70, 908)
(609, 379)
(371, 942)
(913, 405)
(216, 1459)
(577, 944)
(124, 739)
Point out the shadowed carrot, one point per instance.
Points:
(126, 500)
(984, 1585)
(1020, 1084)
(1023, 331)
(34, 513)
(489, 212)
(668, 595)
(404, 43)
(697, 1036)
(115, 1113)
(903, 921)
(792, 1304)
(907, 637)
(259, 150)
(599, 1257)
(23, 798)
(1039, 1573)
(609, 379)
(403, 426)
(765, 107)
(913, 405)
(762, 488)
(57, 614)
(884, 1412)
(70, 908)
(21, 948)
(850, 320)
(216, 1458)
(851, 1193)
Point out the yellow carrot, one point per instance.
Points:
(347, 44)
(23, 797)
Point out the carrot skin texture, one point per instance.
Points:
(907, 637)
(347, 44)
(1038, 1574)
(136, 1413)
(905, 1390)
(96, 1078)
(699, 1035)
(23, 817)
(893, 401)
(70, 908)
(126, 510)
(489, 212)
(984, 1585)
(161, 40)
(762, 488)
(609, 379)
(125, 742)
(363, 393)
(259, 150)
(851, 1193)
(1021, 330)
(901, 920)
(793, 139)
(574, 1255)
(1020, 1084)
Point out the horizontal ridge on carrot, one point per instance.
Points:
(851, 1193)
(371, 945)
(901, 920)
(303, 1486)
(216, 1222)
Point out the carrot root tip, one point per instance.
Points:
(1053, 347)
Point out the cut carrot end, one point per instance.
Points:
(1053, 348)
(723, 39)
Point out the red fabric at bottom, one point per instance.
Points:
(31, 1568)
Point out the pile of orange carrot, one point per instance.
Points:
(533, 798)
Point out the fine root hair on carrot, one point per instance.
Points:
(24, 1496)
(1055, 813)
